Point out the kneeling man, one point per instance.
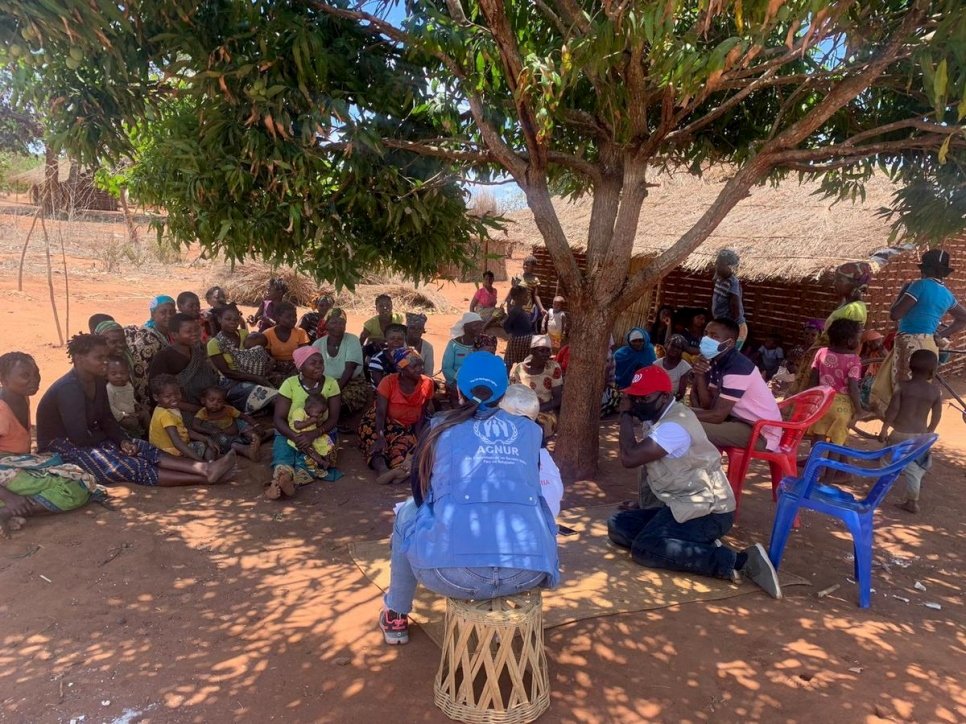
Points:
(686, 501)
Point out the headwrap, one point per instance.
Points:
(817, 324)
(628, 360)
(729, 257)
(484, 340)
(155, 303)
(324, 299)
(521, 400)
(106, 326)
(858, 271)
(541, 340)
(870, 335)
(414, 318)
(468, 318)
(404, 356)
(301, 355)
(336, 313)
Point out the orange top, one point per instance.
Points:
(13, 437)
(406, 409)
(282, 351)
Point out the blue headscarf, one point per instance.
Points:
(629, 360)
(155, 303)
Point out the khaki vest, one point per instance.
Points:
(693, 485)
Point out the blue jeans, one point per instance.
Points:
(471, 584)
(656, 540)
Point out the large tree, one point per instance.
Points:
(322, 132)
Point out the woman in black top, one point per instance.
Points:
(74, 419)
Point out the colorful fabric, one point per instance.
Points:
(282, 351)
(933, 301)
(144, 344)
(517, 349)
(254, 361)
(45, 465)
(154, 304)
(400, 439)
(404, 357)
(324, 445)
(350, 350)
(293, 389)
(406, 409)
(834, 425)
(859, 272)
(54, 493)
(161, 420)
(737, 379)
(837, 370)
(484, 341)
(485, 298)
(110, 465)
(14, 437)
(543, 383)
(356, 395)
(906, 345)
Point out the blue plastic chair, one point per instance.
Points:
(806, 492)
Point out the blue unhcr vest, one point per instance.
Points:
(484, 506)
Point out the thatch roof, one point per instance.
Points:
(785, 232)
(36, 175)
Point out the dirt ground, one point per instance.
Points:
(214, 605)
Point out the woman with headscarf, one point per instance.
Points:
(113, 334)
(342, 353)
(477, 526)
(544, 376)
(635, 354)
(390, 429)
(290, 466)
(314, 323)
(851, 280)
(145, 342)
(415, 329)
(244, 368)
(463, 337)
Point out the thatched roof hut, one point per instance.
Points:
(790, 239)
(75, 187)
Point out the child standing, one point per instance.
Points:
(120, 395)
(770, 356)
(309, 417)
(838, 366)
(726, 300)
(915, 401)
(557, 324)
(228, 428)
(167, 431)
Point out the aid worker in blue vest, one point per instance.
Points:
(476, 527)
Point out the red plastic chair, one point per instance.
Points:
(799, 412)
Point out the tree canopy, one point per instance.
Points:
(323, 134)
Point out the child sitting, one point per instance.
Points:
(167, 431)
(120, 395)
(227, 428)
(770, 356)
(838, 366)
(673, 363)
(914, 401)
(309, 417)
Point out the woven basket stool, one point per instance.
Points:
(493, 667)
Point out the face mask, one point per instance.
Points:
(710, 348)
(648, 411)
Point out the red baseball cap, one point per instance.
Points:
(647, 380)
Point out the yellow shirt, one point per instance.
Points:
(158, 435)
(374, 327)
(215, 348)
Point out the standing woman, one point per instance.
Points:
(289, 465)
(517, 327)
(243, 368)
(74, 419)
(850, 282)
(342, 353)
(30, 484)
(147, 341)
(390, 430)
(477, 526)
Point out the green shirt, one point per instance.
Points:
(349, 351)
(293, 390)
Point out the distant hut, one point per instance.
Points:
(790, 240)
(487, 254)
(74, 188)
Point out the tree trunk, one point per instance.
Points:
(50, 192)
(578, 439)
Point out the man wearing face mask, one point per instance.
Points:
(729, 394)
(686, 503)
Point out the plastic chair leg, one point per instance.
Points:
(784, 516)
(863, 563)
(780, 469)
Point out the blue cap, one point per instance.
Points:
(482, 369)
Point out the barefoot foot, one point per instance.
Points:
(220, 468)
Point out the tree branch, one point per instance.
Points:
(545, 216)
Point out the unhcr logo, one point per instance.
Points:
(497, 436)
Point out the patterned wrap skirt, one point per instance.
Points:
(400, 439)
(110, 465)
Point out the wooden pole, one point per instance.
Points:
(50, 280)
(23, 252)
(63, 256)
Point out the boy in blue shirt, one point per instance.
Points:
(726, 300)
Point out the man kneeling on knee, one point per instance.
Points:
(686, 503)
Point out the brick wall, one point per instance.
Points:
(785, 306)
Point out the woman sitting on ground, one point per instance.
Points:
(415, 329)
(31, 484)
(389, 431)
(145, 342)
(634, 355)
(185, 359)
(113, 334)
(75, 420)
(283, 339)
(290, 466)
(506, 542)
(244, 368)
(544, 376)
(462, 338)
(314, 323)
(381, 363)
(342, 353)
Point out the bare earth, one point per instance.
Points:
(214, 605)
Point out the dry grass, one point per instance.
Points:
(247, 283)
